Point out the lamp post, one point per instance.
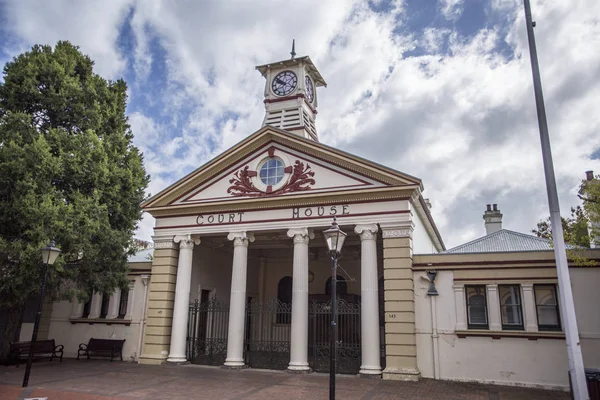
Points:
(49, 255)
(334, 237)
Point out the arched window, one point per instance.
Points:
(342, 286)
(284, 296)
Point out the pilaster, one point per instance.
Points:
(460, 307)
(161, 295)
(493, 306)
(531, 324)
(113, 304)
(401, 360)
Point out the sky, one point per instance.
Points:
(439, 89)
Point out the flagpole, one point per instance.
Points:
(576, 369)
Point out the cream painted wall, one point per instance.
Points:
(513, 361)
(71, 335)
(211, 270)
(422, 243)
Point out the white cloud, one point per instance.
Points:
(461, 117)
(451, 9)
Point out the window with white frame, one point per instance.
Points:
(511, 310)
(546, 304)
(477, 317)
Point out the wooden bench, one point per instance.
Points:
(42, 349)
(102, 348)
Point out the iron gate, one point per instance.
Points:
(267, 343)
(267, 334)
(348, 347)
(208, 323)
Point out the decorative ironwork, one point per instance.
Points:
(267, 343)
(208, 323)
(301, 179)
(348, 347)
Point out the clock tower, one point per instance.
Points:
(291, 95)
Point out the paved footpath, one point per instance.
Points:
(103, 380)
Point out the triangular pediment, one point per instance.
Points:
(300, 167)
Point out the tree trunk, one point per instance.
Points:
(11, 332)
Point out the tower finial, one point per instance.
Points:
(293, 52)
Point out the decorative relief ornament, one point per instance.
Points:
(301, 179)
(397, 233)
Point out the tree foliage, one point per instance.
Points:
(69, 172)
(575, 228)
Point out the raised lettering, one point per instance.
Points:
(221, 218)
(231, 217)
(211, 219)
(240, 214)
(295, 213)
(200, 219)
(345, 210)
(333, 210)
(321, 211)
(308, 212)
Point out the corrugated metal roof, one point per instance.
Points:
(141, 256)
(503, 240)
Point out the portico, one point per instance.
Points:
(241, 273)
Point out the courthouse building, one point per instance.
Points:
(240, 275)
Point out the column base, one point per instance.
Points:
(234, 364)
(401, 374)
(177, 360)
(299, 369)
(370, 372)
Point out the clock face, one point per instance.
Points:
(284, 83)
(310, 91)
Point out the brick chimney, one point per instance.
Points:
(493, 219)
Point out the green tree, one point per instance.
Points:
(575, 228)
(589, 192)
(69, 172)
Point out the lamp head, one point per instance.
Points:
(50, 253)
(334, 237)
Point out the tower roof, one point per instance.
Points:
(319, 81)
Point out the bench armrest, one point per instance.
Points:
(59, 347)
(82, 346)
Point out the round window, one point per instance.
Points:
(271, 172)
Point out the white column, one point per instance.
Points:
(237, 302)
(130, 302)
(493, 305)
(369, 290)
(76, 308)
(460, 307)
(182, 298)
(113, 304)
(528, 305)
(95, 306)
(299, 329)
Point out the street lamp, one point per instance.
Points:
(334, 237)
(49, 255)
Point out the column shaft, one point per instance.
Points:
(460, 307)
(182, 299)
(369, 288)
(237, 303)
(299, 328)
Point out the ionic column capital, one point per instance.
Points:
(241, 238)
(301, 235)
(145, 279)
(186, 241)
(367, 232)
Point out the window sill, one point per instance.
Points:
(510, 334)
(92, 321)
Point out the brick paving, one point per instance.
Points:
(103, 380)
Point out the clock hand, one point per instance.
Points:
(280, 81)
